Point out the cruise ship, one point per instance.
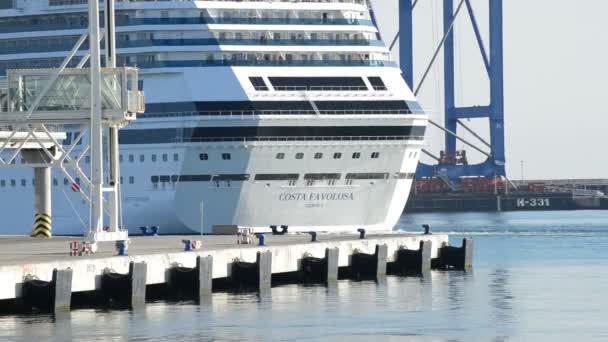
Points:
(274, 112)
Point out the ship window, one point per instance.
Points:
(68, 138)
(280, 156)
(299, 155)
(65, 181)
(154, 179)
(228, 178)
(131, 158)
(142, 158)
(120, 158)
(23, 182)
(2, 183)
(13, 182)
(154, 157)
(194, 178)
(165, 179)
(226, 156)
(165, 157)
(277, 177)
(317, 83)
(258, 83)
(203, 156)
(337, 155)
(131, 180)
(175, 157)
(87, 159)
(6, 4)
(318, 155)
(55, 183)
(367, 176)
(377, 83)
(356, 155)
(77, 136)
(375, 155)
(322, 176)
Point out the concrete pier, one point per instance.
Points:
(151, 259)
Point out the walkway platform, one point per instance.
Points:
(22, 257)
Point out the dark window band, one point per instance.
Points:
(317, 83)
(277, 177)
(367, 176)
(267, 133)
(322, 176)
(234, 178)
(222, 108)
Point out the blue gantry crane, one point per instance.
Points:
(451, 164)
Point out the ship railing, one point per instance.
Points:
(36, 25)
(299, 139)
(247, 114)
(84, 2)
(41, 45)
(321, 88)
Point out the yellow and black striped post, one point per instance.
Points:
(42, 226)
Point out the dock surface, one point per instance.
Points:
(24, 256)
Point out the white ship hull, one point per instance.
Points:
(241, 180)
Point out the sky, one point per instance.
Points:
(556, 72)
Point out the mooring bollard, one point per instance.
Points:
(122, 247)
(427, 229)
(361, 233)
(284, 229)
(459, 258)
(191, 245)
(53, 296)
(261, 239)
(313, 236)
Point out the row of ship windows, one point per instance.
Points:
(228, 156)
(311, 178)
(299, 155)
(23, 182)
(65, 43)
(291, 179)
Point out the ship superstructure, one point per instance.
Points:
(266, 112)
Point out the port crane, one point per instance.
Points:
(452, 164)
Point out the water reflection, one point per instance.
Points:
(501, 296)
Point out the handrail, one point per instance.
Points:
(121, 22)
(52, 46)
(242, 113)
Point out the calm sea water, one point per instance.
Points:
(538, 276)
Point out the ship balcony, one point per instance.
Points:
(34, 24)
(67, 96)
(40, 46)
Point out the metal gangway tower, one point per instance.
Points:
(447, 166)
(37, 104)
